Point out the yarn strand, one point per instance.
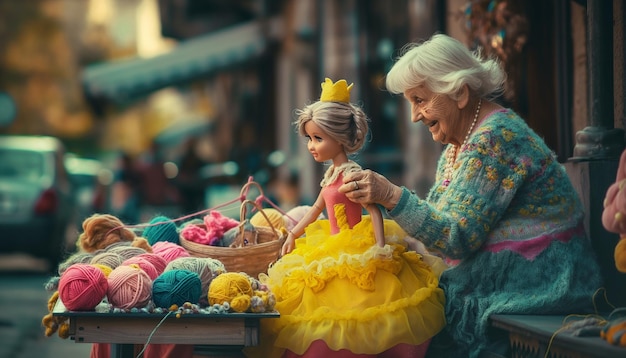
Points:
(260, 199)
(152, 333)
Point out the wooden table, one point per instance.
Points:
(533, 336)
(227, 333)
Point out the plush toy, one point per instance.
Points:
(614, 214)
(55, 323)
(614, 220)
(102, 230)
(229, 237)
(241, 292)
(247, 234)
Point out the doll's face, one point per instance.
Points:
(321, 146)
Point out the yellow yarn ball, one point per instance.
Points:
(240, 303)
(274, 216)
(106, 270)
(231, 287)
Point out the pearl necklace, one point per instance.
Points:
(452, 151)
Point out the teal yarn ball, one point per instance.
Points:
(176, 287)
(161, 228)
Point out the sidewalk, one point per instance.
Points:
(24, 301)
(52, 347)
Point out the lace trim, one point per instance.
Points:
(333, 172)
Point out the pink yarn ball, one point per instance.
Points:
(129, 287)
(156, 260)
(169, 250)
(82, 287)
(143, 264)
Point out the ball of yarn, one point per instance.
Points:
(107, 258)
(176, 287)
(143, 264)
(275, 218)
(157, 261)
(293, 216)
(169, 250)
(210, 231)
(82, 287)
(129, 287)
(102, 230)
(232, 287)
(161, 229)
(106, 270)
(206, 268)
(80, 257)
(126, 251)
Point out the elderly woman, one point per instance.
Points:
(502, 211)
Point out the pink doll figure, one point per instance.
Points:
(614, 213)
(346, 285)
(614, 220)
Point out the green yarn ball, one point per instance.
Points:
(161, 229)
(176, 287)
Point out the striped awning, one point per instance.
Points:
(126, 80)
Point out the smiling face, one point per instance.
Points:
(439, 113)
(322, 146)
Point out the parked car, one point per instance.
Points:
(86, 176)
(36, 198)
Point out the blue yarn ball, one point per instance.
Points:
(176, 287)
(167, 231)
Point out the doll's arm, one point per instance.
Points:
(298, 230)
(377, 222)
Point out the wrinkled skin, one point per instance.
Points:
(614, 213)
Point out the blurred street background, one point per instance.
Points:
(167, 107)
(22, 280)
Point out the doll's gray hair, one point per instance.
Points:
(344, 122)
(444, 65)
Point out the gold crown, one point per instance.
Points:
(336, 92)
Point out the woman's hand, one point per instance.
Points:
(614, 213)
(368, 187)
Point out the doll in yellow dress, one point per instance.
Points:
(349, 287)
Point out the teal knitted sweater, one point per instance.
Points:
(510, 224)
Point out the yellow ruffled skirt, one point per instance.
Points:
(351, 293)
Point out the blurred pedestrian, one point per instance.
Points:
(158, 194)
(284, 191)
(122, 198)
(189, 181)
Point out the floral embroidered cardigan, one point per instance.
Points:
(510, 224)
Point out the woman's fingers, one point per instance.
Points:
(356, 186)
(369, 187)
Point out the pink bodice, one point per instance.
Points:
(332, 197)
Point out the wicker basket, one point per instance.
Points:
(249, 254)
